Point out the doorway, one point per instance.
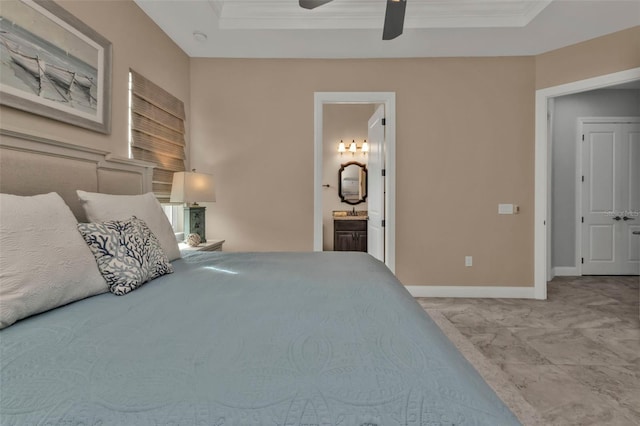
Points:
(542, 193)
(568, 112)
(386, 186)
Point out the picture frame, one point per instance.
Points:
(54, 65)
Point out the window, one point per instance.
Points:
(156, 134)
(175, 214)
(156, 131)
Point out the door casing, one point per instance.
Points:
(389, 101)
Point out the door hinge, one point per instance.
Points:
(582, 219)
(384, 121)
(583, 178)
(583, 137)
(582, 259)
(384, 172)
(384, 222)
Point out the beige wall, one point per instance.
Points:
(139, 44)
(340, 122)
(464, 144)
(604, 55)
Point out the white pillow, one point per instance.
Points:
(105, 207)
(44, 261)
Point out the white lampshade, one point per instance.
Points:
(192, 187)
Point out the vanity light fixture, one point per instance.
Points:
(353, 148)
(341, 148)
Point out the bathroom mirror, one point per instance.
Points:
(352, 183)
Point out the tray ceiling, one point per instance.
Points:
(360, 14)
(353, 28)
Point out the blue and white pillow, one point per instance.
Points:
(127, 252)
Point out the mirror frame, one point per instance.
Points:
(366, 182)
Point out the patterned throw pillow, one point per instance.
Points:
(127, 252)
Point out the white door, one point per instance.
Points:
(375, 189)
(610, 198)
(631, 134)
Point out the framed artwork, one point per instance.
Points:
(53, 65)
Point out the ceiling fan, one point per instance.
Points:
(393, 17)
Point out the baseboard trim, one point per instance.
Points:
(472, 291)
(565, 271)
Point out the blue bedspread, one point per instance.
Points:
(238, 339)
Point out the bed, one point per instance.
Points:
(244, 339)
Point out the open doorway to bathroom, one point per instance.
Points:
(345, 177)
(353, 117)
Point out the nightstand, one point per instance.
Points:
(210, 245)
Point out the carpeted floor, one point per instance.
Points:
(573, 359)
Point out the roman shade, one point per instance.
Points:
(157, 132)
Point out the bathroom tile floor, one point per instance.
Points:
(574, 358)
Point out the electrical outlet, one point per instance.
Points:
(468, 261)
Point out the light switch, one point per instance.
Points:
(468, 261)
(505, 208)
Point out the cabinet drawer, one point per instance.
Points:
(350, 225)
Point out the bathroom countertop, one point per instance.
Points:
(350, 217)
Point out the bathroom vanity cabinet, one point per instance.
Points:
(350, 235)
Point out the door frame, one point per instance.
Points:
(581, 121)
(542, 194)
(389, 101)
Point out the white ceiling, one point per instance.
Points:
(353, 28)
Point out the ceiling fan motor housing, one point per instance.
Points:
(393, 17)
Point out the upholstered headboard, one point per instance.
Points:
(32, 165)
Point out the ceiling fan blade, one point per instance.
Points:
(312, 4)
(394, 19)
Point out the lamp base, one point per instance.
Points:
(194, 221)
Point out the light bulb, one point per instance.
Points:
(353, 148)
(365, 146)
